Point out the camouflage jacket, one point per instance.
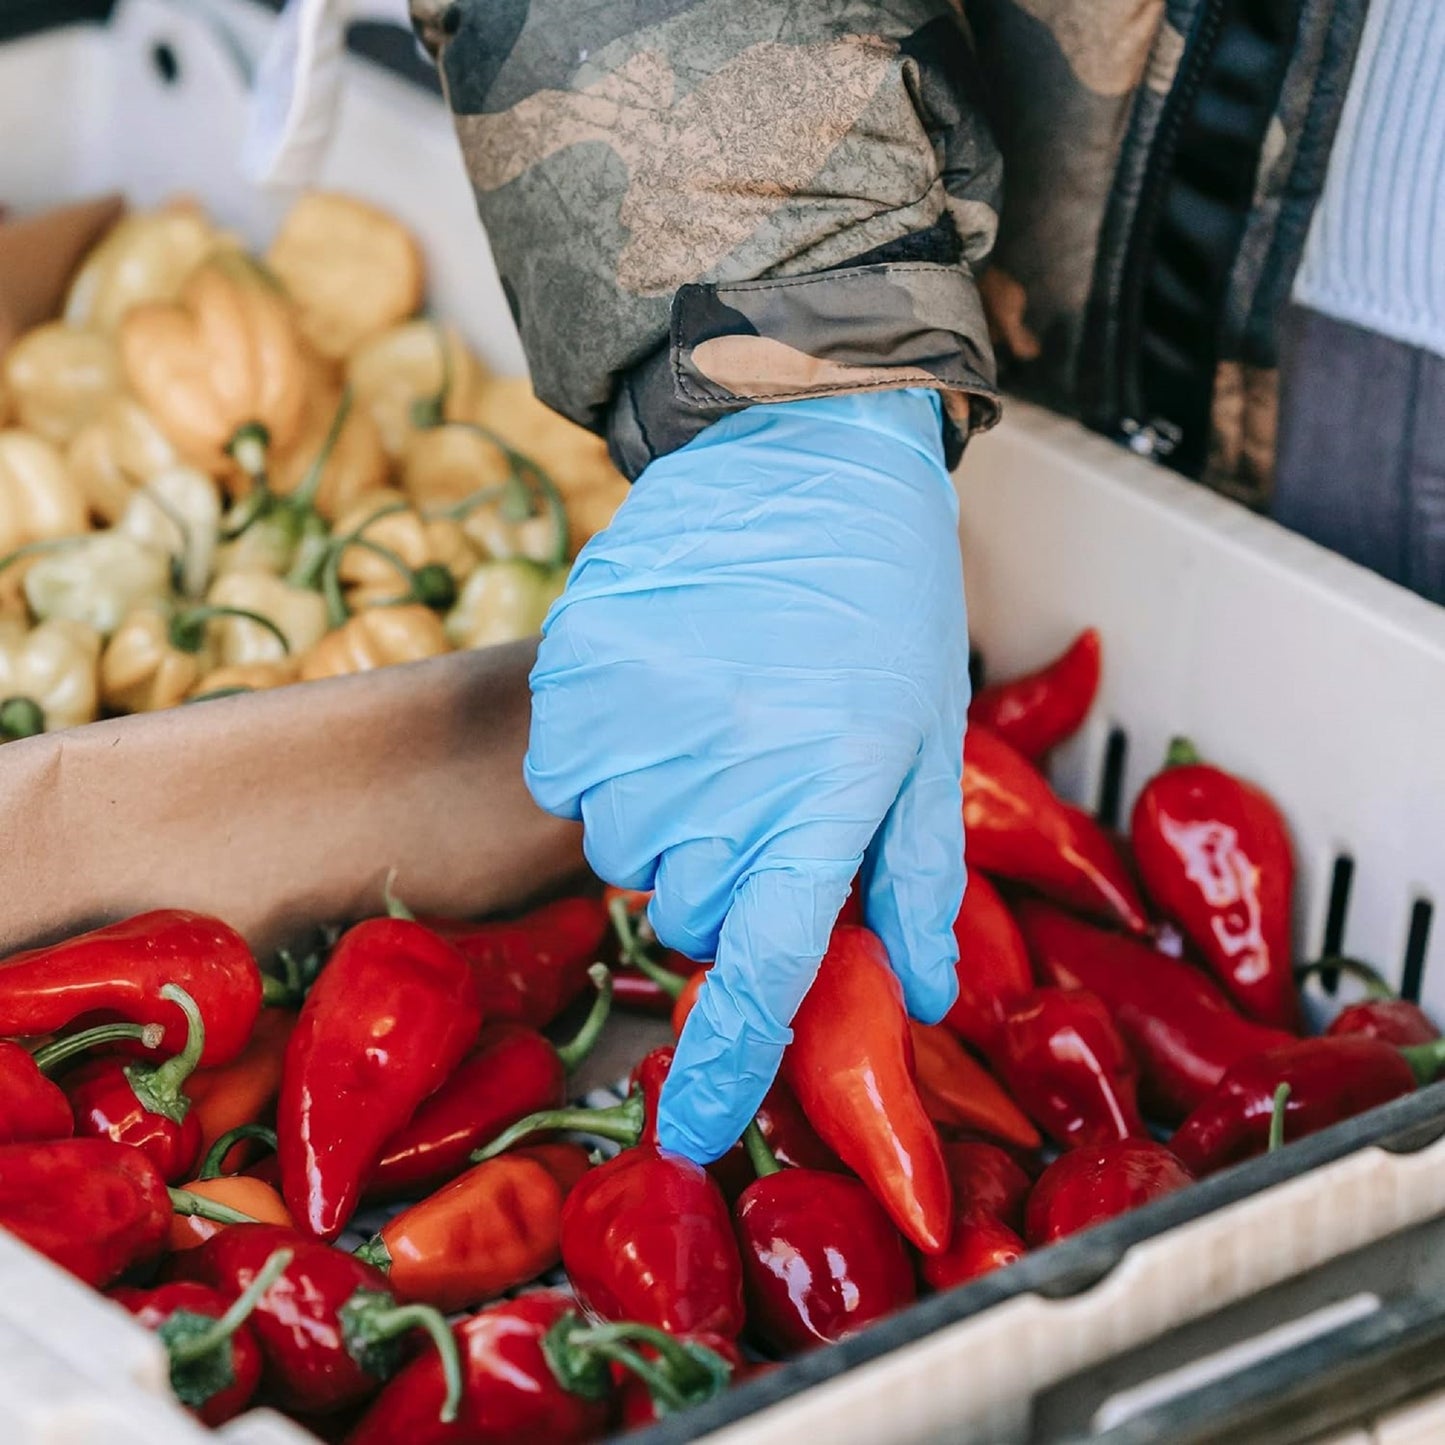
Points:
(700, 204)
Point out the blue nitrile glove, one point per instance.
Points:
(756, 681)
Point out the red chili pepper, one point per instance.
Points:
(1182, 1031)
(214, 1358)
(1382, 1014)
(390, 1017)
(495, 1227)
(1018, 829)
(957, 1090)
(791, 1138)
(145, 1104)
(93, 1206)
(993, 964)
(329, 1328)
(1215, 855)
(981, 1243)
(1329, 1079)
(513, 1071)
(529, 969)
(1037, 711)
(821, 1258)
(121, 970)
(634, 990)
(1088, 1186)
(1061, 1057)
(851, 1067)
(987, 1180)
(253, 1200)
(32, 1107)
(532, 1369)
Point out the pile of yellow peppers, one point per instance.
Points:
(222, 472)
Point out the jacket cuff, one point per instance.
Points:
(860, 328)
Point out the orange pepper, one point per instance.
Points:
(244, 1090)
(958, 1091)
(493, 1228)
(685, 1000)
(252, 1197)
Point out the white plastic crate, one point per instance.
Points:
(1287, 664)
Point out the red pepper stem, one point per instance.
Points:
(622, 1123)
(375, 1324)
(51, 1055)
(183, 1352)
(1426, 1060)
(1276, 1118)
(184, 1202)
(216, 1155)
(395, 907)
(632, 953)
(760, 1156)
(1356, 968)
(585, 1039)
(1182, 754)
(159, 1087)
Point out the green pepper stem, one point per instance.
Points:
(216, 1155)
(1375, 985)
(665, 1394)
(585, 1039)
(188, 627)
(216, 694)
(622, 1123)
(395, 907)
(1425, 1060)
(1182, 754)
(387, 1322)
(1276, 1118)
(159, 1087)
(336, 609)
(197, 1205)
(430, 411)
(760, 1156)
(248, 450)
(375, 1253)
(20, 717)
(183, 1352)
(51, 1055)
(41, 548)
(303, 499)
(682, 1375)
(276, 992)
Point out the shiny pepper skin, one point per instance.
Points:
(1089, 1185)
(106, 1107)
(647, 1237)
(993, 964)
(981, 1243)
(821, 1258)
(1391, 1020)
(987, 1180)
(1036, 712)
(31, 1106)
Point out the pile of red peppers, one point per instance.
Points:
(215, 1130)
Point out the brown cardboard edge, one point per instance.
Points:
(284, 809)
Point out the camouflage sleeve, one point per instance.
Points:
(700, 204)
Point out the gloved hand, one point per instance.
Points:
(756, 681)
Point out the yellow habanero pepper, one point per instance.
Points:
(504, 602)
(382, 543)
(246, 677)
(297, 612)
(59, 377)
(178, 511)
(97, 579)
(143, 257)
(38, 498)
(352, 462)
(47, 676)
(377, 637)
(353, 270)
(220, 369)
(111, 457)
(411, 376)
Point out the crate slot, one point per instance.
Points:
(1342, 876)
(165, 63)
(977, 669)
(1412, 974)
(1111, 777)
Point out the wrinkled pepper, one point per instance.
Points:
(1062, 1058)
(378, 637)
(958, 1091)
(94, 1207)
(495, 1227)
(244, 677)
(1381, 1014)
(391, 543)
(123, 969)
(47, 677)
(59, 377)
(97, 580)
(993, 964)
(298, 613)
(1329, 1079)
(1183, 1032)
(512, 1072)
(1215, 855)
(503, 602)
(330, 1331)
(215, 1361)
(851, 1067)
(330, 469)
(178, 511)
(1038, 711)
(987, 1180)
(821, 1258)
(1087, 1186)
(39, 500)
(121, 449)
(145, 1105)
(1018, 829)
(390, 1017)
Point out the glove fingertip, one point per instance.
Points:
(550, 794)
(931, 993)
